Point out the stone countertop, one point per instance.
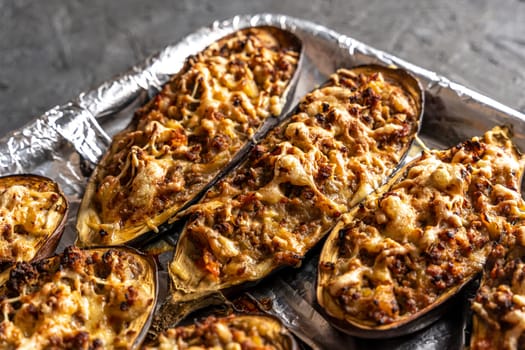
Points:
(52, 50)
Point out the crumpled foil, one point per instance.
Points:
(66, 142)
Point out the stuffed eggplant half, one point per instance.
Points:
(390, 264)
(82, 299)
(499, 305)
(181, 140)
(33, 211)
(235, 332)
(344, 139)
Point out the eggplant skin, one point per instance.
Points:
(499, 305)
(33, 211)
(391, 264)
(344, 140)
(83, 299)
(181, 140)
(250, 332)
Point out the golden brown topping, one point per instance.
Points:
(344, 141)
(92, 299)
(229, 333)
(32, 210)
(428, 233)
(181, 139)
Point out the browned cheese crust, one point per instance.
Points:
(231, 333)
(345, 140)
(31, 209)
(96, 299)
(182, 138)
(427, 233)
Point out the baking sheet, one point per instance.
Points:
(66, 142)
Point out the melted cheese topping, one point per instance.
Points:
(345, 140)
(499, 305)
(181, 139)
(229, 333)
(31, 209)
(83, 299)
(428, 233)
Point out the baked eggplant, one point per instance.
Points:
(390, 265)
(344, 139)
(33, 211)
(250, 332)
(100, 298)
(499, 305)
(179, 142)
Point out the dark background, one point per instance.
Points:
(52, 50)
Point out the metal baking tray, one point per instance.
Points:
(66, 142)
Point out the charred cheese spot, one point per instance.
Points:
(93, 299)
(429, 232)
(296, 184)
(181, 139)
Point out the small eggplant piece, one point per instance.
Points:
(100, 298)
(183, 139)
(499, 305)
(231, 332)
(33, 212)
(390, 265)
(345, 139)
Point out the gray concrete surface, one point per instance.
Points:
(52, 50)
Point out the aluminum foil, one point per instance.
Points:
(66, 142)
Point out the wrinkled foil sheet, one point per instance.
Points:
(66, 142)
